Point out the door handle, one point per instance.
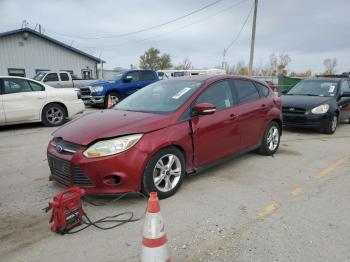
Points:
(263, 105)
(233, 116)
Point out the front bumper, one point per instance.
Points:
(107, 175)
(93, 100)
(306, 120)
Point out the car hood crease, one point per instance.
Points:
(110, 123)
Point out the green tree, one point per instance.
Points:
(152, 59)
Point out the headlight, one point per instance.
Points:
(96, 89)
(320, 109)
(112, 146)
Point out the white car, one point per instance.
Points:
(24, 100)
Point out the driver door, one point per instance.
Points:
(132, 85)
(344, 102)
(216, 136)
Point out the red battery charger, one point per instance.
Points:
(67, 210)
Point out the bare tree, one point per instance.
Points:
(185, 65)
(330, 65)
(282, 63)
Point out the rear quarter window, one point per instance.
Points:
(263, 90)
(246, 90)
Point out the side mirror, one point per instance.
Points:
(285, 91)
(204, 109)
(128, 79)
(345, 94)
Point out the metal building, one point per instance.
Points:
(25, 52)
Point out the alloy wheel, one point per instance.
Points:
(273, 138)
(54, 115)
(167, 173)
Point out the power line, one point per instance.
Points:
(235, 38)
(144, 29)
(179, 28)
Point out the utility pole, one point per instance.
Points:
(252, 44)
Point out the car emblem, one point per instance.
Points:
(59, 148)
(291, 109)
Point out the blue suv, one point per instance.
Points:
(117, 86)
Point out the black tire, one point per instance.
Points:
(266, 147)
(152, 172)
(115, 95)
(331, 125)
(53, 115)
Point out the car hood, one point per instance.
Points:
(306, 102)
(110, 123)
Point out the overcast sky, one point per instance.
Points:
(308, 30)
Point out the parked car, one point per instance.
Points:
(24, 100)
(317, 103)
(151, 139)
(117, 86)
(60, 79)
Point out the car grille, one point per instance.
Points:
(62, 145)
(85, 91)
(293, 110)
(60, 170)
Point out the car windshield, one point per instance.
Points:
(160, 97)
(315, 87)
(113, 76)
(39, 76)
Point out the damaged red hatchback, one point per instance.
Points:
(151, 139)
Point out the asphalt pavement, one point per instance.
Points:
(293, 206)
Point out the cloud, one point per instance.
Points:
(308, 31)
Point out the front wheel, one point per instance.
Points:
(331, 125)
(164, 172)
(271, 139)
(112, 98)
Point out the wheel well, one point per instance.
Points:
(279, 122)
(58, 103)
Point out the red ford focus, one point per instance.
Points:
(151, 139)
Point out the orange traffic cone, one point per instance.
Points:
(154, 241)
(109, 103)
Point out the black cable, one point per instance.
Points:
(107, 219)
(147, 28)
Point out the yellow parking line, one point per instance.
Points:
(331, 168)
(268, 210)
(297, 191)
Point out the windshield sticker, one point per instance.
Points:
(331, 89)
(181, 93)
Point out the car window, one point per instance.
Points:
(64, 77)
(263, 90)
(146, 75)
(344, 87)
(218, 94)
(134, 75)
(16, 86)
(246, 91)
(36, 86)
(51, 77)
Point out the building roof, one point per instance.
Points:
(28, 30)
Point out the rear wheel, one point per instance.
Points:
(53, 115)
(164, 172)
(114, 97)
(271, 139)
(331, 125)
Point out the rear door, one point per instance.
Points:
(22, 100)
(344, 102)
(217, 135)
(146, 78)
(65, 80)
(252, 112)
(2, 111)
(52, 79)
